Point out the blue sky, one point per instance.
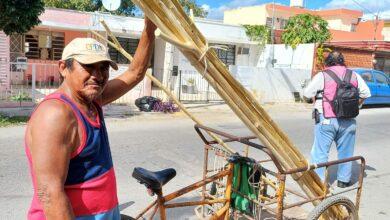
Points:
(216, 7)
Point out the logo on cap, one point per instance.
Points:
(94, 47)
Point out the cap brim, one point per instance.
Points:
(90, 59)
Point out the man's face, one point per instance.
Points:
(88, 80)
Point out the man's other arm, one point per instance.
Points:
(364, 91)
(316, 84)
(53, 132)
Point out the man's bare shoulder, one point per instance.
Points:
(52, 113)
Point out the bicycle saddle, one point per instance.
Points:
(153, 180)
(236, 158)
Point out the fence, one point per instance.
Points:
(26, 85)
(188, 86)
(193, 87)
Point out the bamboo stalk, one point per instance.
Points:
(243, 103)
(118, 47)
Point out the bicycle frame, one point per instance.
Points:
(282, 174)
(160, 202)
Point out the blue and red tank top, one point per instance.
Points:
(90, 184)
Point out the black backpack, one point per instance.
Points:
(346, 101)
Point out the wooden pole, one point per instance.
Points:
(118, 47)
(168, 15)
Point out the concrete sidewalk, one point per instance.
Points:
(121, 111)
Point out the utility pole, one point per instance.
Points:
(273, 23)
(273, 33)
(376, 21)
(376, 25)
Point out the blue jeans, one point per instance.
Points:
(342, 132)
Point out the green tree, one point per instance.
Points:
(305, 28)
(191, 4)
(259, 33)
(19, 16)
(127, 7)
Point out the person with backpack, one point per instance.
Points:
(338, 93)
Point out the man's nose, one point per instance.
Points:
(97, 73)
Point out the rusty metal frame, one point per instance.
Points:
(161, 202)
(282, 174)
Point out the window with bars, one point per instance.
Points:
(16, 47)
(129, 44)
(44, 45)
(228, 56)
(268, 22)
(283, 23)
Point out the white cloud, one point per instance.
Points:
(384, 14)
(206, 7)
(217, 13)
(367, 6)
(381, 6)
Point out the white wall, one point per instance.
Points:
(222, 33)
(250, 59)
(386, 33)
(341, 24)
(285, 57)
(159, 58)
(271, 84)
(120, 25)
(5, 77)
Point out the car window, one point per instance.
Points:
(367, 76)
(380, 78)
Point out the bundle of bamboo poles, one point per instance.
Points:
(115, 44)
(178, 29)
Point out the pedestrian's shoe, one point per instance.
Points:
(342, 184)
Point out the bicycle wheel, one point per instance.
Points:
(340, 202)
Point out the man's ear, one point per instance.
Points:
(62, 68)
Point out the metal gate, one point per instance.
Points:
(194, 88)
(28, 83)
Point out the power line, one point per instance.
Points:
(376, 15)
(364, 7)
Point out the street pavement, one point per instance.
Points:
(158, 141)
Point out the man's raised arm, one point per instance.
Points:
(136, 72)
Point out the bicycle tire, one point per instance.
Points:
(332, 201)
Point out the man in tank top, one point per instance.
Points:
(66, 139)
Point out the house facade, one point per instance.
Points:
(30, 61)
(344, 24)
(365, 54)
(386, 30)
(276, 15)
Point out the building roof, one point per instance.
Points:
(322, 13)
(297, 10)
(64, 19)
(364, 31)
(381, 45)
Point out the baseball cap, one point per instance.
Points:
(87, 51)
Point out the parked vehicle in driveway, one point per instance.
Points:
(379, 84)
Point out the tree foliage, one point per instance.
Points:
(19, 16)
(305, 28)
(191, 4)
(259, 33)
(127, 7)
